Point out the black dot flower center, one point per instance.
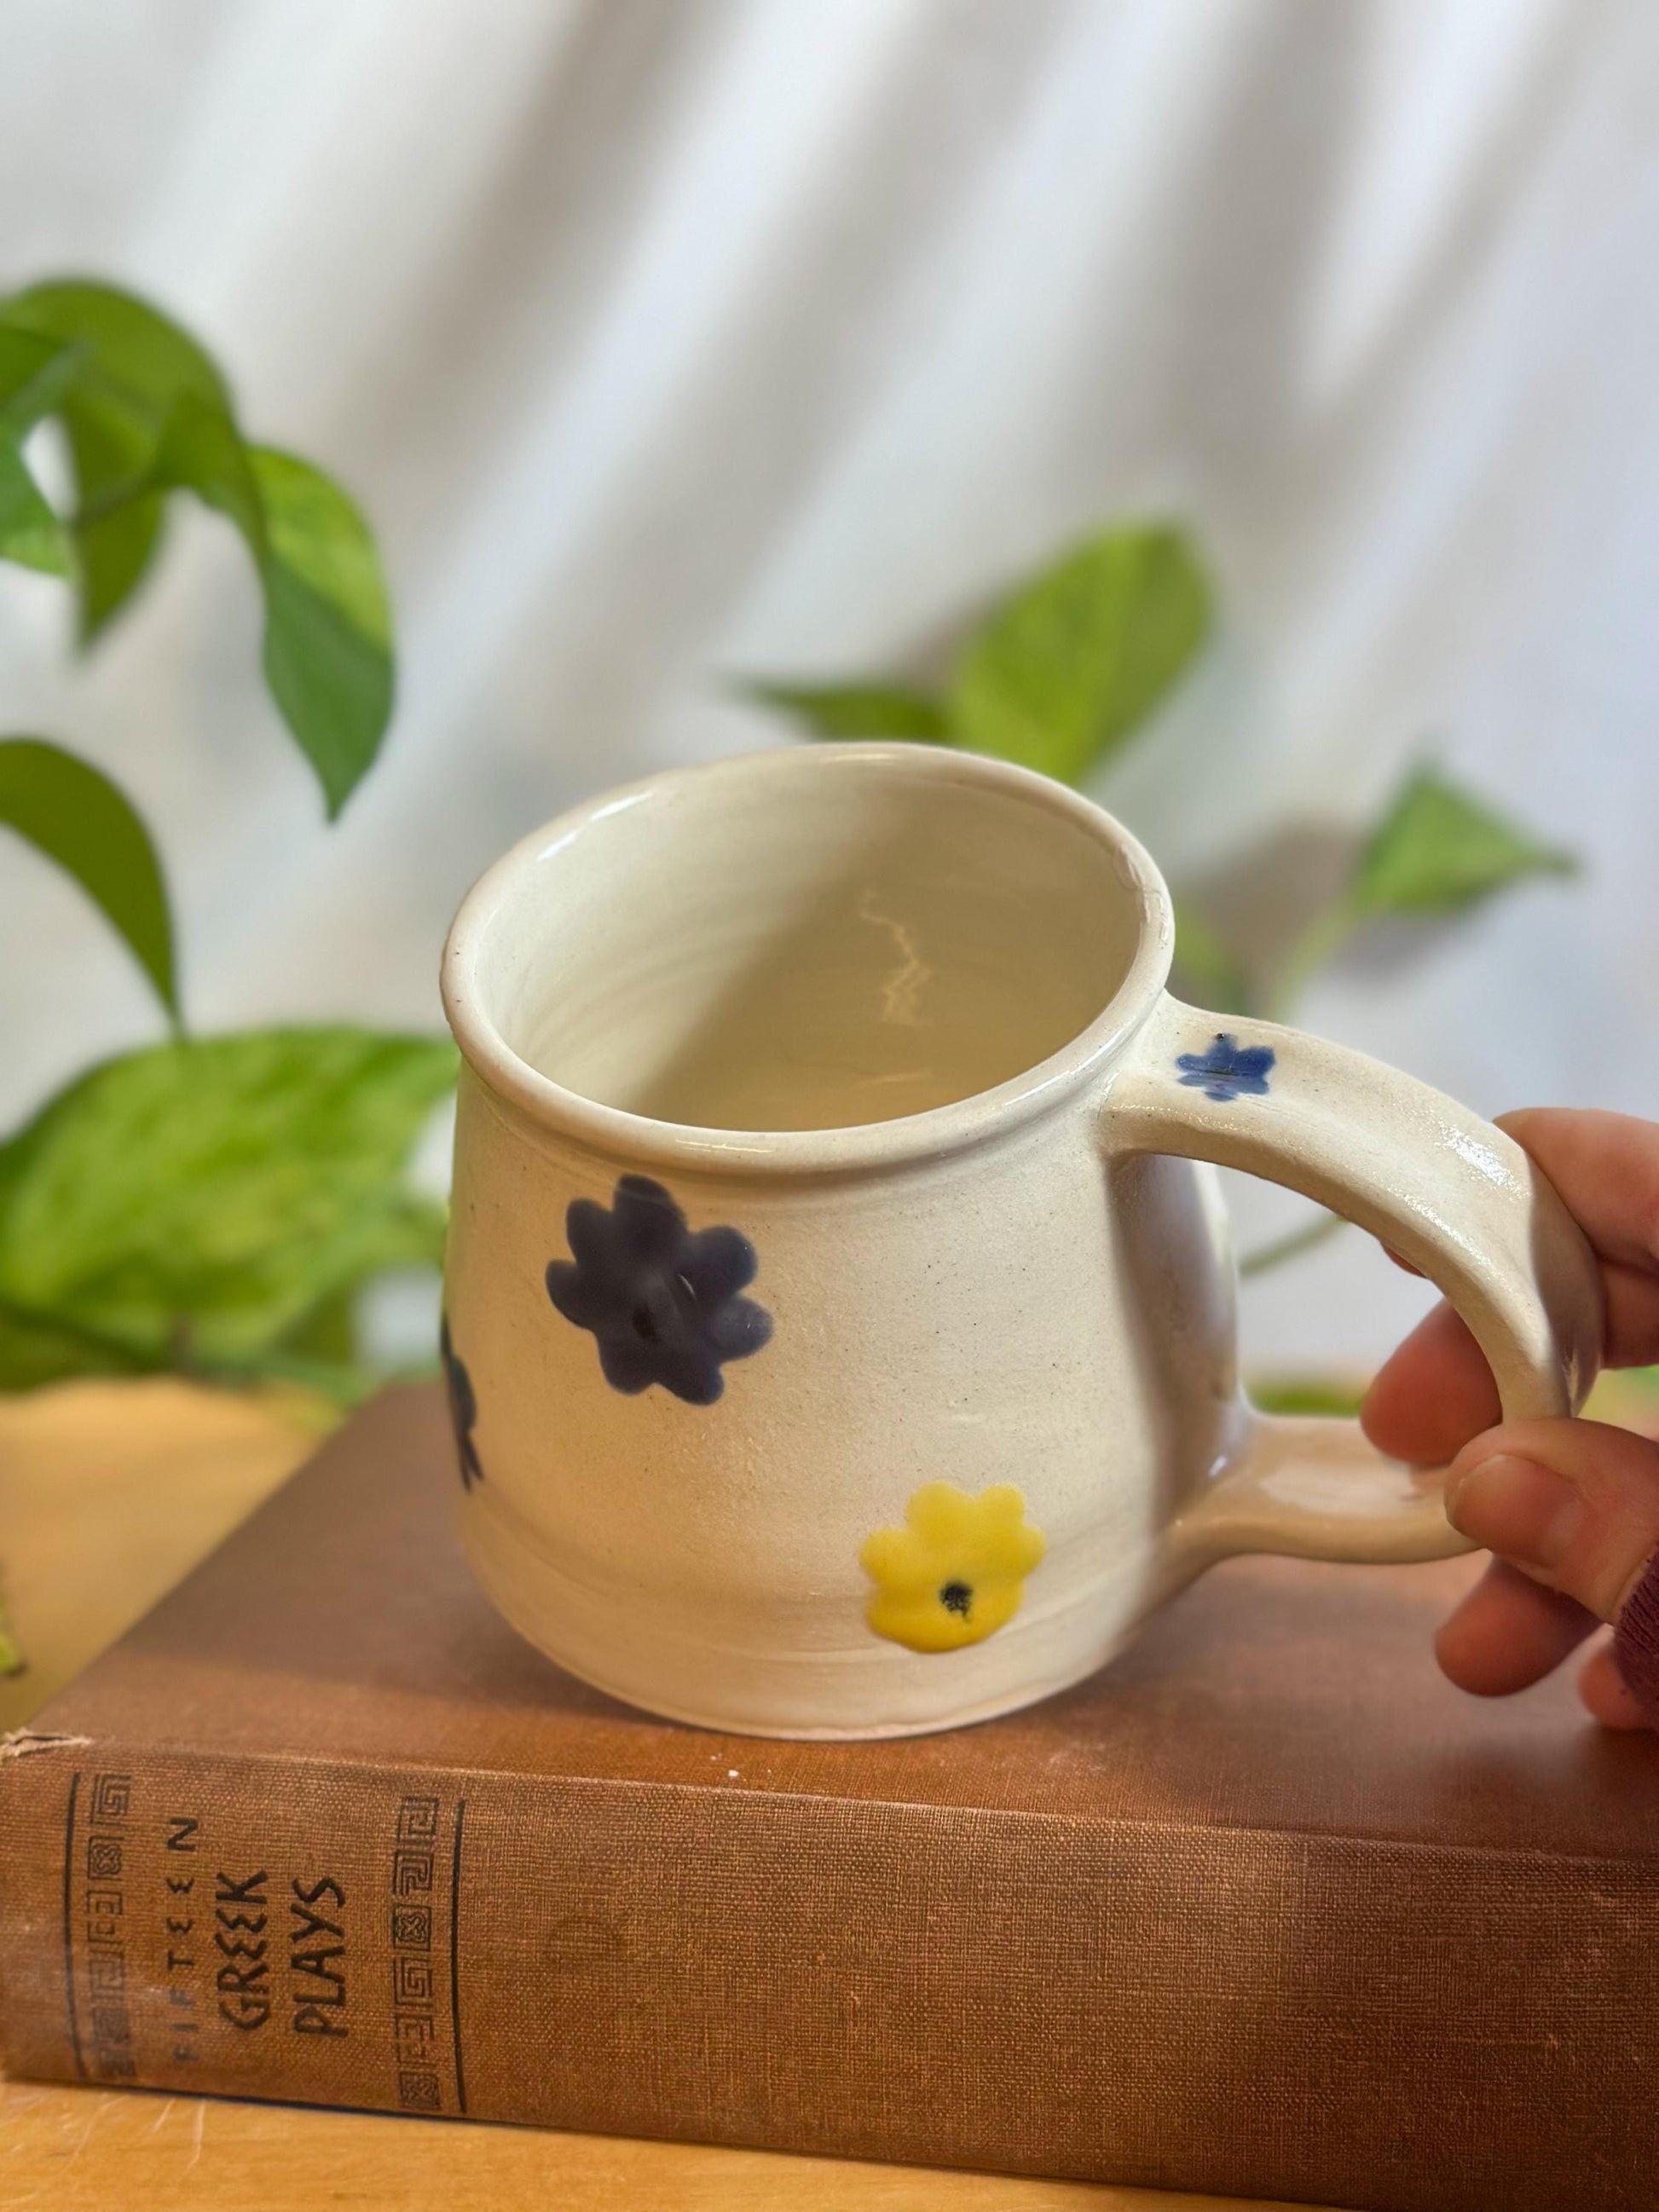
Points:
(958, 1598)
(645, 1327)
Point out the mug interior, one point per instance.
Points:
(810, 939)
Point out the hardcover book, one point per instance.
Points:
(1267, 1908)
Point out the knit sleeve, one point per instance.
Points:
(1636, 1639)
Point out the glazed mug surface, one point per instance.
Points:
(839, 1319)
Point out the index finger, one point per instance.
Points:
(1432, 1394)
(1606, 1167)
(1437, 1391)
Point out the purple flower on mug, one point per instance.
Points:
(1228, 1070)
(661, 1299)
(462, 1407)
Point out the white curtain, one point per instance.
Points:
(664, 339)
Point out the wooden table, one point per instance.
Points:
(109, 1491)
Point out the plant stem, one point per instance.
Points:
(120, 494)
(1204, 963)
(1307, 954)
(1308, 1239)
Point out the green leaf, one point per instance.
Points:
(35, 1350)
(328, 1333)
(328, 624)
(321, 1351)
(319, 535)
(1307, 1393)
(856, 710)
(31, 533)
(1439, 850)
(35, 372)
(117, 534)
(193, 1206)
(136, 352)
(201, 450)
(1070, 664)
(148, 413)
(76, 816)
(134, 365)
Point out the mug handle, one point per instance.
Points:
(1443, 1189)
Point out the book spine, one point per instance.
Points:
(1276, 2015)
(250, 1928)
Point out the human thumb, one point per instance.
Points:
(1573, 1503)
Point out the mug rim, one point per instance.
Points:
(615, 1131)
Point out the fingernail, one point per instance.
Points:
(1515, 1507)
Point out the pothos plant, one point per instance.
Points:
(207, 1206)
(1065, 671)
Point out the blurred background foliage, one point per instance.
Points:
(218, 1208)
(210, 1206)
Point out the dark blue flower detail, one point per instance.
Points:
(661, 1300)
(463, 1408)
(1229, 1069)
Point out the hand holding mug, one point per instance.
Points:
(1571, 1508)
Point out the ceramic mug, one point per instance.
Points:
(840, 1331)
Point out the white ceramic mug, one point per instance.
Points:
(839, 1335)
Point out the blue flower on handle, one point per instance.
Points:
(463, 1408)
(661, 1299)
(1229, 1069)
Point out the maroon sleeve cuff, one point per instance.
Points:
(1636, 1639)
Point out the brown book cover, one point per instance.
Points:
(1266, 1908)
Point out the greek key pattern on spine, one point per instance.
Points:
(414, 1995)
(109, 2022)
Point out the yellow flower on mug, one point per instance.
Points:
(956, 1572)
